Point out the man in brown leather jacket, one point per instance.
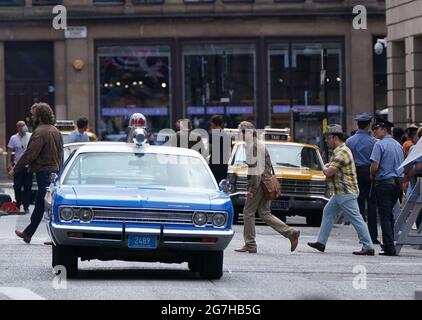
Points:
(259, 169)
(44, 155)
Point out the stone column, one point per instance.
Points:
(77, 81)
(416, 78)
(361, 75)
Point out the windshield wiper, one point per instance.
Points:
(287, 165)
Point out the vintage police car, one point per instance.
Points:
(298, 167)
(138, 203)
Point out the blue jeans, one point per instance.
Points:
(43, 181)
(349, 205)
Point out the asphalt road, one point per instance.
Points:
(272, 273)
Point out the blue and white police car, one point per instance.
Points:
(132, 202)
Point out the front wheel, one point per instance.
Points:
(211, 265)
(66, 257)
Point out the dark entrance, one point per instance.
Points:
(29, 70)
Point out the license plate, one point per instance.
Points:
(142, 242)
(280, 205)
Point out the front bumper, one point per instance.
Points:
(296, 202)
(117, 237)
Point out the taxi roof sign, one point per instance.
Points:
(65, 125)
(277, 134)
(269, 134)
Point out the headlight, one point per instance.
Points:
(231, 188)
(66, 214)
(200, 219)
(232, 178)
(218, 219)
(86, 214)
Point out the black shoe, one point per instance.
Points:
(365, 252)
(390, 254)
(317, 245)
(376, 242)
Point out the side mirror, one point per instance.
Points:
(224, 185)
(54, 177)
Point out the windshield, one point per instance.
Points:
(139, 170)
(283, 155)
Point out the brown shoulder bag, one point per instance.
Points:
(271, 187)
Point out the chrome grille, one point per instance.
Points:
(145, 216)
(298, 186)
(241, 184)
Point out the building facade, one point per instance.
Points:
(404, 49)
(284, 63)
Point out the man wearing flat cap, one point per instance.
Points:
(386, 157)
(361, 144)
(343, 185)
(259, 169)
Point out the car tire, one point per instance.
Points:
(212, 265)
(314, 219)
(64, 256)
(194, 264)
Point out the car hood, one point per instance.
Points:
(286, 173)
(144, 197)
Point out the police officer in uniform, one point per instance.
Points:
(361, 144)
(386, 157)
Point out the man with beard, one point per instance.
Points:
(259, 169)
(44, 155)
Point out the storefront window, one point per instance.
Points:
(279, 64)
(132, 79)
(219, 79)
(306, 83)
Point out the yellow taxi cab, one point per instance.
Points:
(298, 167)
(66, 127)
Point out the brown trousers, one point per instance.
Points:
(258, 202)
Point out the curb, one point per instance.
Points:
(4, 213)
(418, 294)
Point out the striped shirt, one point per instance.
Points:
(345, 179)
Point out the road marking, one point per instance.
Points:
(20, 293)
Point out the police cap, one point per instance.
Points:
(379, 122)
(363, 117)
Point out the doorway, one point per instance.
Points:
(29, 68)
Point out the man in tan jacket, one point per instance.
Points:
(43, 155)
(259, 169)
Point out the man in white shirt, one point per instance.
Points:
(18, 144)
(79, 135)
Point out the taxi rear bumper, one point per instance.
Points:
(295, 202)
